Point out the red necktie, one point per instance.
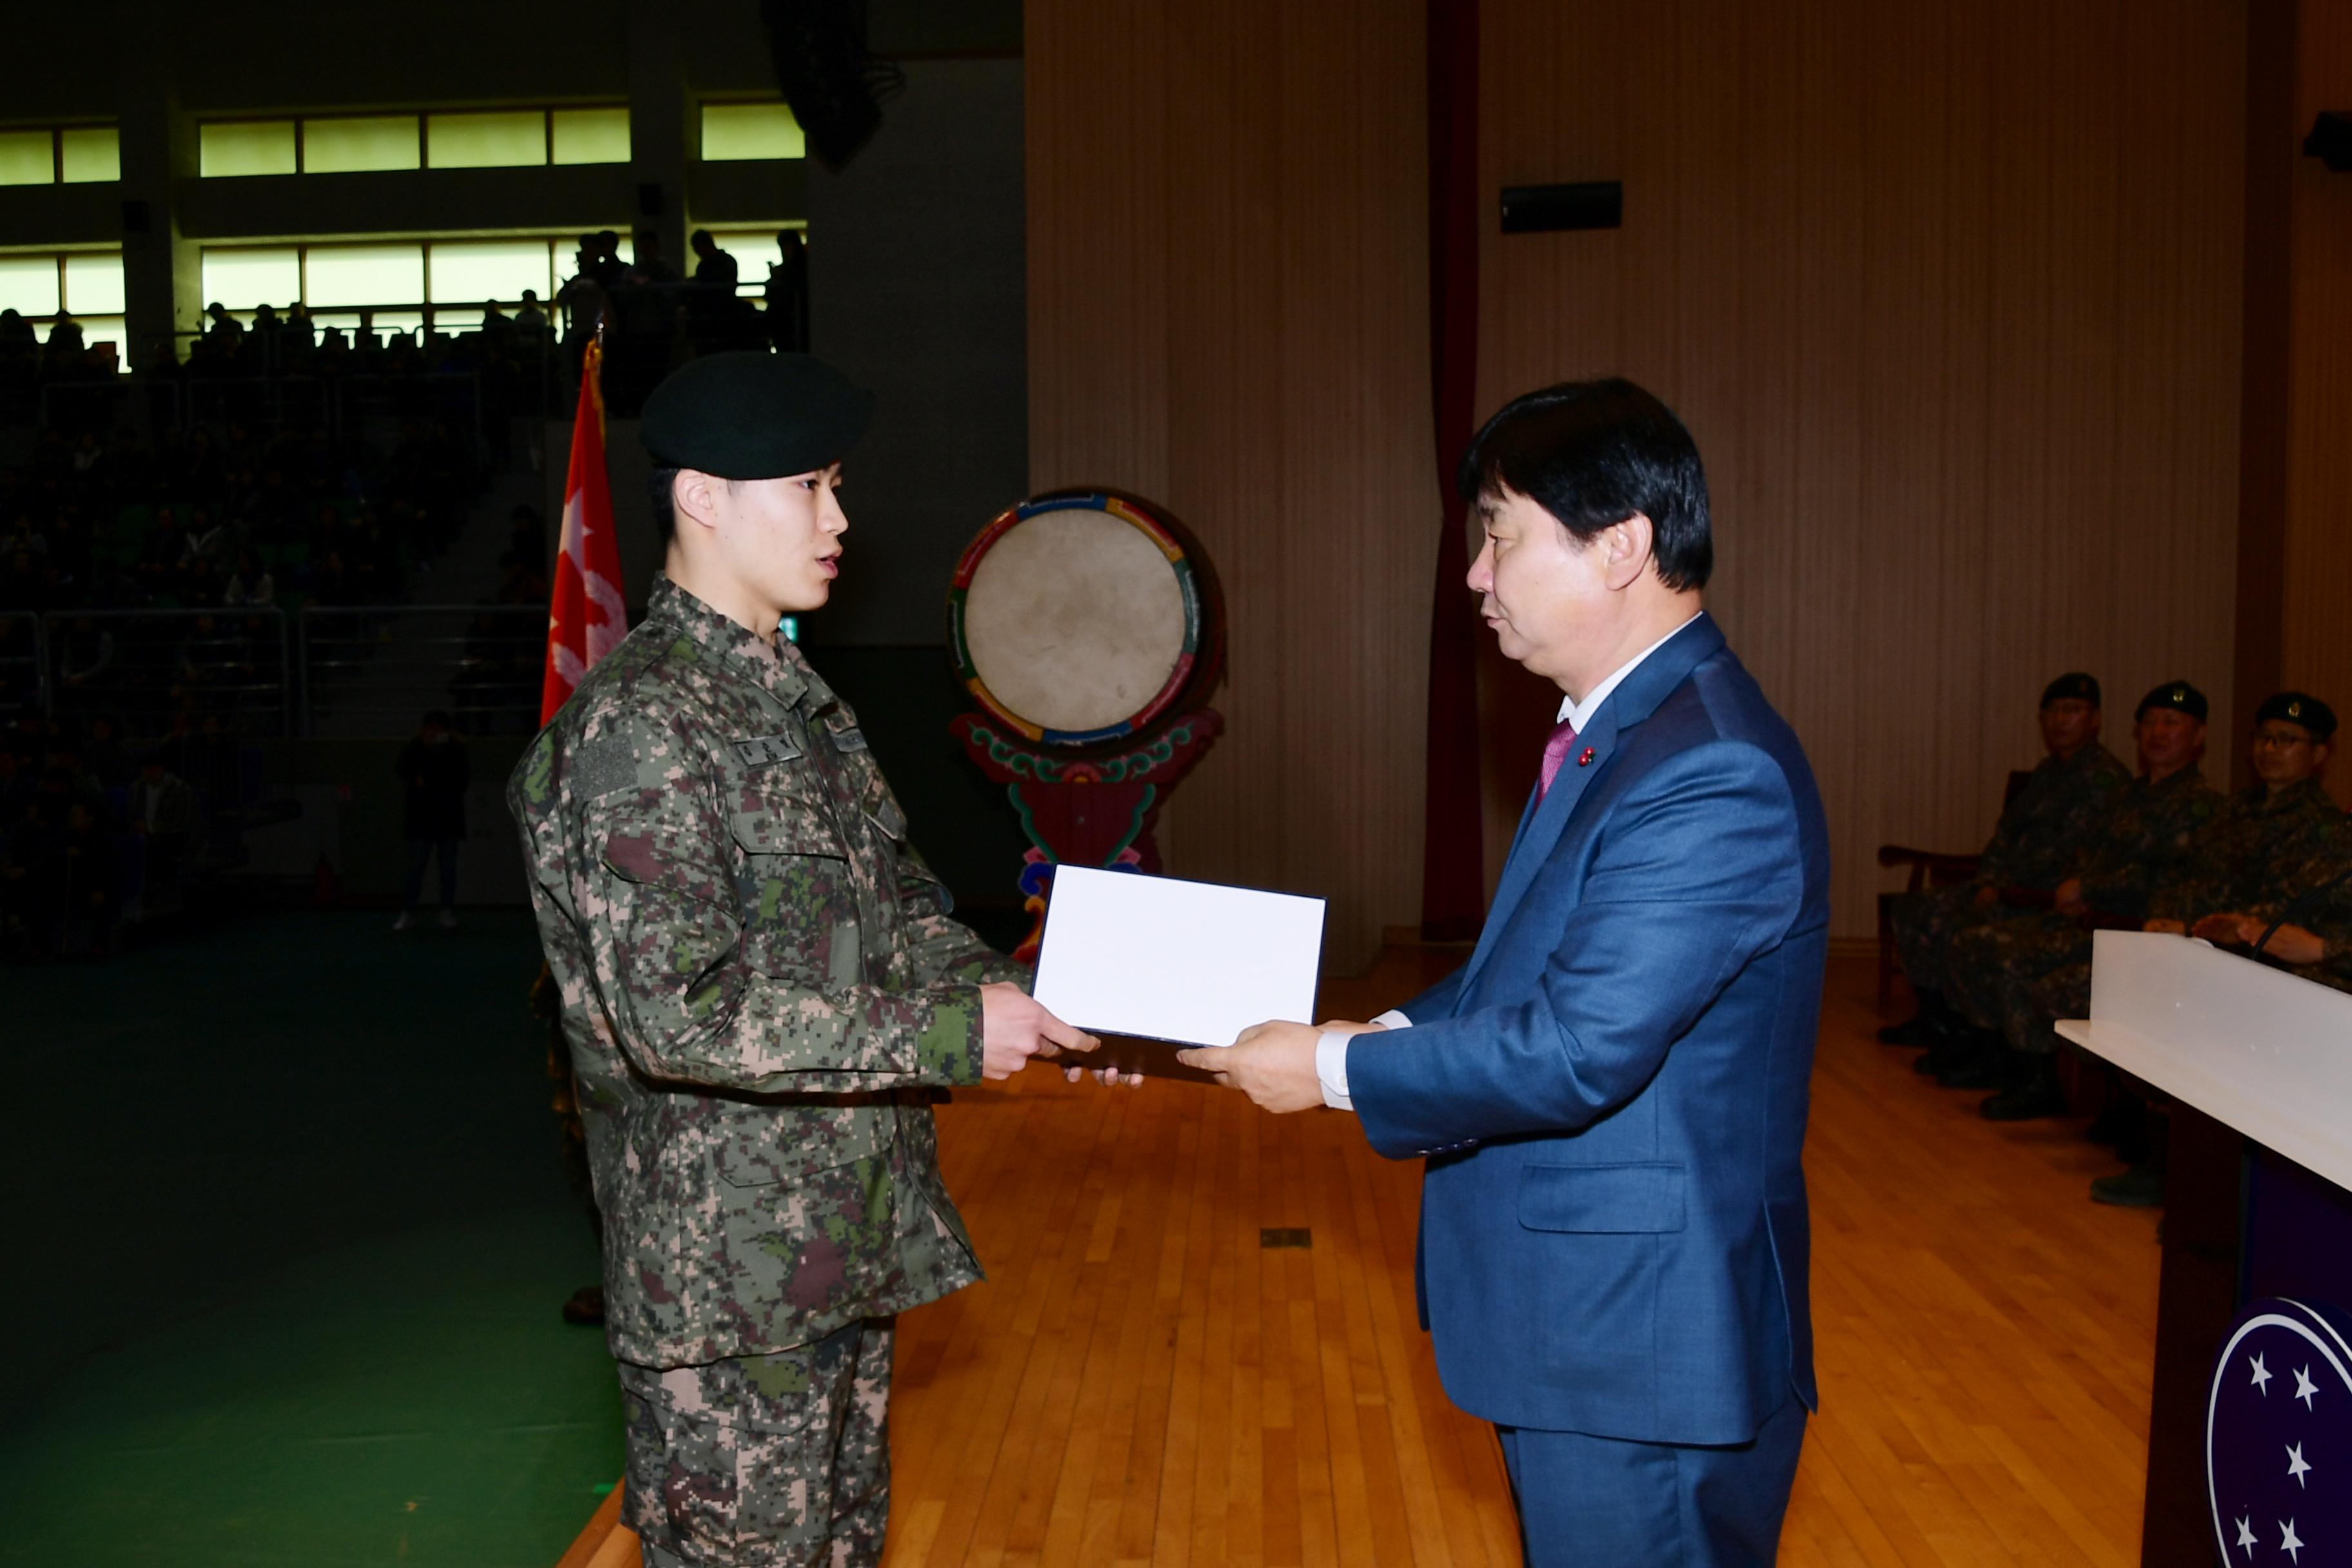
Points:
(1563, 736)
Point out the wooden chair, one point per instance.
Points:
(1929, 869)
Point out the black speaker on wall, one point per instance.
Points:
(649, 199)
(2330, 142)
(134, 217)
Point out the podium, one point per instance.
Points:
(2258, 1064)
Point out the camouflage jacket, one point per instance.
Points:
(761, 990)
(2041, 835)
(2153, 835)
(2325, 909)
(2265, 851)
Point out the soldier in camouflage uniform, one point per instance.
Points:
(762, 992)
(2280, 850)
(2150, 836)
(2033, 848)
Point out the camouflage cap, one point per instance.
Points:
(2177, 695)
(2074, 685)
(752, 416)
(2298, 707)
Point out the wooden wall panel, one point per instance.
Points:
(2315, 654)
(1228, 312)
(1949, 295)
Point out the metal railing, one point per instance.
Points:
(142, 666)
(372, 672)
(348, 673)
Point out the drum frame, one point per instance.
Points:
(1188, 582)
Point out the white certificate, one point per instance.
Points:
(1192, 961)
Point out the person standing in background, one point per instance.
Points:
(434, 768)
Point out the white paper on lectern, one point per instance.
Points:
(1168, 960)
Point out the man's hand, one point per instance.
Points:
(1987, 898)
(1015, 1026)
(1109, 1078)
(2292, 944)
(2165, 928)
(1274, 1064)
(2069, 898)
(2243, 931)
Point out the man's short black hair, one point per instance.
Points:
(1593, 453)
(660, 486)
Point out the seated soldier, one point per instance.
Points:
(2280, 840)
(2150, 837)
(2032, 849)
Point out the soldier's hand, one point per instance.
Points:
(1987, 896)
(1015, 1026)
(2069, 898)
(2165, 928)
(1109, 1078)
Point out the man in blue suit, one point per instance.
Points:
(1610, 1095)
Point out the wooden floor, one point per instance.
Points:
(1142, 1381)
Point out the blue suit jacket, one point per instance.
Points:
(1611, 1092)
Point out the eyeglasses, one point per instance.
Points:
(2284, 742)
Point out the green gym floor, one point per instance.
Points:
(291, 1240)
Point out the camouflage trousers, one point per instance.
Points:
(1993, 972)
(767, 1461)
(1925, 924)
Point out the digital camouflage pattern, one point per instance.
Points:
(2041, 835)
(763, 1461)
(2271, 856)
(2152, 836)
(2269, 848)
(2034, 847)
(760, 991)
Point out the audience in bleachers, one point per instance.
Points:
(1996, 961)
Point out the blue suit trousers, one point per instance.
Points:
(1601, 1502)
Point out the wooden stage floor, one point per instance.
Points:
(1142, 1381)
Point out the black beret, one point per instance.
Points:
(2177, 695)
(753, 416)
(2074, 684)
(2298, 707)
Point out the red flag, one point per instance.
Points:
(586, 617)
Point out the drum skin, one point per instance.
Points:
(1081, 618)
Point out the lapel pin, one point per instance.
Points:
(1585, 759)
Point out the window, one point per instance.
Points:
(84, 284)
(401, 285)
(504, 141)
(346, 143)
(89, 153)
(467, 272)
(74, 154)
(589, 135)
(343, 146)
(737, 130)
(245, 147)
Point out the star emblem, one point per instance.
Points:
(2246, 1536)
(2287, 1542)
(2295, 1465)
(2305, 1389)
(2261, 1377)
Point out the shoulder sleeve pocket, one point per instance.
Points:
(1603, 1199)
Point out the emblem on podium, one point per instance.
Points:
(2278, 1436)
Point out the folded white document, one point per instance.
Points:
(1192, 961)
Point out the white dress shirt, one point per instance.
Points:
(1331, 1045)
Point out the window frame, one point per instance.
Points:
(56, 131)
(422, 117)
